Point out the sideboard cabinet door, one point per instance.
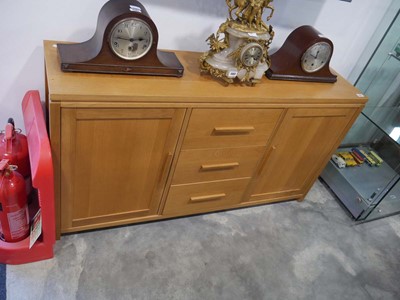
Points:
(299, 150)
(114, 164)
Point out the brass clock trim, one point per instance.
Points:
(246, 49)
(327, 58)
(225, 59)
(112, 32)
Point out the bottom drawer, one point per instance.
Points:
(202, 197)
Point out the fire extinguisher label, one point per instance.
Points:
(36, 228)
(18, 223)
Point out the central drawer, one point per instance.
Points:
(216, 164)
(203, 197)
(222, 128)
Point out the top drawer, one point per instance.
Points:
(217, 128)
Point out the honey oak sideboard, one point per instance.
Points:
(130, 149)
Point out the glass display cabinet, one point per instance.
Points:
(371, 189)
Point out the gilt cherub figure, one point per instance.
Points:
(249, 13)
(239, 49)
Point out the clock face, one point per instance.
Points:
(251, 54)
(316, 57)
(131, 39)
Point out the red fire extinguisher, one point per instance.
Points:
(14, 215)
(14, 147)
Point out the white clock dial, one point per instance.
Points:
(131, 39)
(316, 57)
(251, 54)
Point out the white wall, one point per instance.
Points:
(183, 25)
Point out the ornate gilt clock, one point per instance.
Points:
(239, 49)
(125, 42)
(305, 56)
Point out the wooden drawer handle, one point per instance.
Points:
(219, 166)
(233, 130)
(207, 198)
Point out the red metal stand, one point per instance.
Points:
(42, 181)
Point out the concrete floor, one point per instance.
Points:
(308, 250)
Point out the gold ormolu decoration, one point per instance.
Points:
(239, 49)
(249, 12)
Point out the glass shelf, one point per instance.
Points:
(369, 181)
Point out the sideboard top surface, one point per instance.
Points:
(191, 88)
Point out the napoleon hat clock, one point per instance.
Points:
(305, 56)
(125, 42)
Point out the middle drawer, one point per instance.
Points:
(216, 164)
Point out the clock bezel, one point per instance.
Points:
(321, 66)
(247, 48)
(112, 34)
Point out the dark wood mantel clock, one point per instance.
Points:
(305, 56)
(125, 42)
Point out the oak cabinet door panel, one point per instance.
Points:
(300, 148)
(114, 163)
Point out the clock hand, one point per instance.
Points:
(131, 40)
(121, 38)
(316, 55)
